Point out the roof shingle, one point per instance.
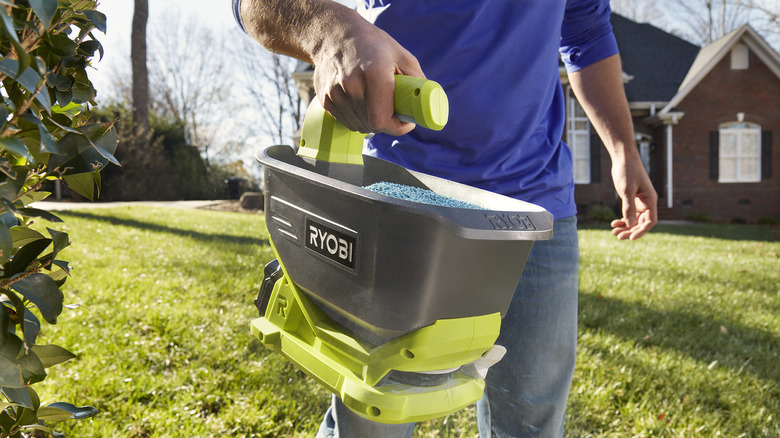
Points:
(658, 61)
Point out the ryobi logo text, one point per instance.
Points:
(333, 244)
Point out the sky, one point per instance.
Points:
(119, 16)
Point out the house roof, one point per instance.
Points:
(710, 55)
(658, 61)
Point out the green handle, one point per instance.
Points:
(420, 101)
(416, 100)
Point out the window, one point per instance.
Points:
(739, 57)
(578, 138)
(739, 152)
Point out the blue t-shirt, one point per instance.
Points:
(498, 62)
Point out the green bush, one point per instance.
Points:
(163, 168)
(698, 217)
(45, 135)
(767, 220)
(600, 213)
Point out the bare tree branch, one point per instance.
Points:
(638, 11)
(704, 21)
(267, 79)
(189, 77)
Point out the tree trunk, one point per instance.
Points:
(140, 71)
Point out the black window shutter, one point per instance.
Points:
(595, 158)
(766, 154)
(714, 158)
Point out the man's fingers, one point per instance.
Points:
(643, 223)
(380, 98)
(629, 212)
(336, 101)
(366, 105)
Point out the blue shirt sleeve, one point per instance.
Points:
(237, 14)
(586, 34)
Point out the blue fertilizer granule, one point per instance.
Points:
(416, 194)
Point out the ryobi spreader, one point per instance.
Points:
(394, 305)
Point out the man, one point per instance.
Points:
(498, 62)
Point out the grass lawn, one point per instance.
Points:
(679, 333)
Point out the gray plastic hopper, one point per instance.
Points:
(382, 266)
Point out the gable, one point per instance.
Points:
(713, 54)
(658, 61)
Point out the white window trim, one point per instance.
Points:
(571, 131)
(739, 129)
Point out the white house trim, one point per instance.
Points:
(671, 121)
(646, 108)
(668, 119)
(669, 161)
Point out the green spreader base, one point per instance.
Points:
(353, 369)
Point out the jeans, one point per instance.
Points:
(526, 392)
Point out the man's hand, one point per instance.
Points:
(639, 200)
(354, 79)
(354, 60)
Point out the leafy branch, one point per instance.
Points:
(46, 135)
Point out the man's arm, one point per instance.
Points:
(354, 60)
(599, 89)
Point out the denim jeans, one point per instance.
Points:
(526, 392)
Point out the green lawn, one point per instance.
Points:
(679, 333)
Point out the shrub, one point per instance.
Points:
(167, 168)
(600, 213)
(698, 217)
(45, 135)
(766, 220)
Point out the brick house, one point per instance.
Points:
(707, 123)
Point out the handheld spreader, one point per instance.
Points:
(393, 305)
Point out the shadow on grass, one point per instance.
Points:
(163, 229)
(698, 336)
(761, 233)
